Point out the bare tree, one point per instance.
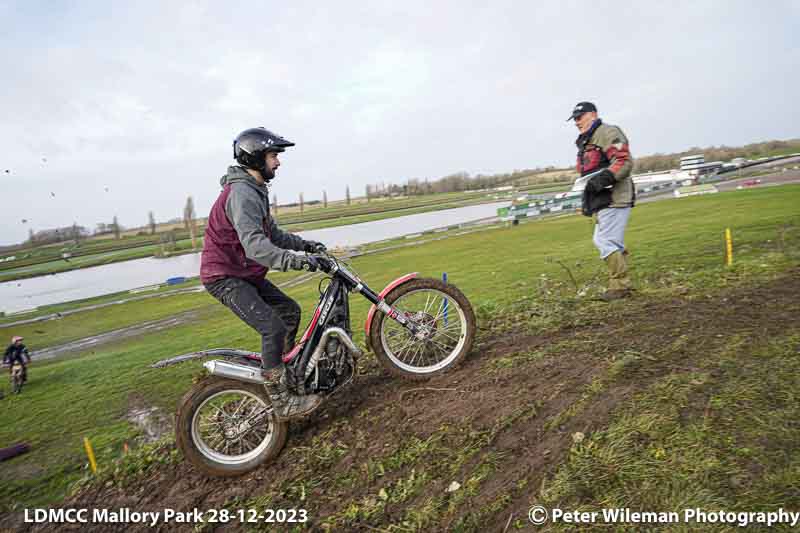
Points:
(189, 220)
(324, 198)
(369, 192)
(31, 237)
(301, 202)
(116, 227)
(347, 194)
(188, 212)
(152, 222)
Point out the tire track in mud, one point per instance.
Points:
(115, 335)
(527, 394)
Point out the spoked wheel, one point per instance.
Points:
(447, 329)
(228, 428)
(16, 380)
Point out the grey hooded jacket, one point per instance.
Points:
(242, 239)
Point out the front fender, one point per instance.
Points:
(371, 314)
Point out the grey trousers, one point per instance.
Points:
(609, 233)
(266, 309)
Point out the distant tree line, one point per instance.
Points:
(457, 182)
(51, 236)
(463, 181)
(656, 162)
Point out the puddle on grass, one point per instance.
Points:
(151, 421)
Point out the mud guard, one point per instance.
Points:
(371, 314)
(242, 355)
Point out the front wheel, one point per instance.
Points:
(446, 329)
(228, 428)
(16, 380)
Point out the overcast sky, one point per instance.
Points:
(119, 108)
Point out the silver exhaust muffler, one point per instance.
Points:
(225, 369)
(340, 334)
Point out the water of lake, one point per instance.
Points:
(116, 277)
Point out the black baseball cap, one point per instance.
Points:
(580, 109)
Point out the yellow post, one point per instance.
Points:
(728, 247)
(90, 453)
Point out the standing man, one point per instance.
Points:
(609, 195)
(17, 352)
(242, 242)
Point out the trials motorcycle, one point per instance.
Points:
(417, 327)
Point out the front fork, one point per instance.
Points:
(401, 319)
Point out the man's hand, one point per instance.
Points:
(313, 247)
(304, 262)
(601, 181)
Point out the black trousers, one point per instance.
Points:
(266, 309)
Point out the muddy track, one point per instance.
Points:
(115, 335)
(508, 416)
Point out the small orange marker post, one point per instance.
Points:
(90, 453)
(125, 448)
(728, 247)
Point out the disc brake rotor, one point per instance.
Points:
(426, 322)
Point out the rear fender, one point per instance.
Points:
(371, 314)
(240, 356)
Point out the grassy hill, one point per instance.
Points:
(684, 396)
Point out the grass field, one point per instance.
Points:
(519, 279)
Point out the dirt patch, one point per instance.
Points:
(496, 426)
(152, 421)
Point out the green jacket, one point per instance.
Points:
(607, 147)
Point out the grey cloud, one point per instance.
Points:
(146, 97)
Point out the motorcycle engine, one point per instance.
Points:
(334, 367)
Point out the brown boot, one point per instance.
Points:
(287, 405)
(619, 284)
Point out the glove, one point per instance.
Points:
(303, 262)
(601, 181)
(313, 247)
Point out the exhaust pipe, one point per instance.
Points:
(326, 335)
(225, 369)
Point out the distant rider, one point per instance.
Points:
(242, 242)
(17, 352)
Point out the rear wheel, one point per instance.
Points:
(446, 329)
(228, 428)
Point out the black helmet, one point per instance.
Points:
(251, 146)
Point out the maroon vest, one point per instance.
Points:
(223, 255)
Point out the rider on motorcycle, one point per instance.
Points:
(242, 242)
(17, 352)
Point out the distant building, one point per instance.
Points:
(691, 162)
(696, 165)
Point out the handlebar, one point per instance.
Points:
(326, 261)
